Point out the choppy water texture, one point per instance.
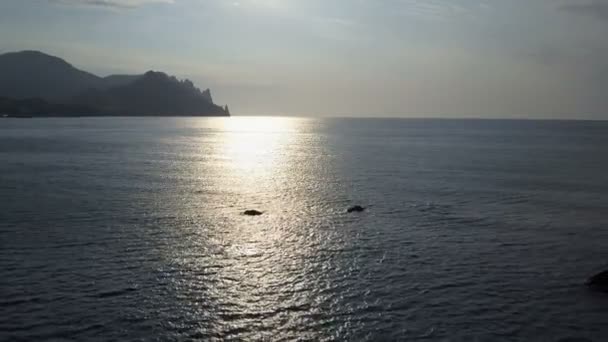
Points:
(132, 229)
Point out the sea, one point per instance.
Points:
(132, 229)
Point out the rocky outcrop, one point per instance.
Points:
(153, 94)
(599, 281)
(355, 209)
(253, 213)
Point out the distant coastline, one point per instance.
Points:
(35, 84)
(39, 108)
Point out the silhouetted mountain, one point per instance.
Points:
(155, 94)
(33, 74)
(118, 80)
(30, 74)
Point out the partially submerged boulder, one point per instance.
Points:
(252, 213)
(574, 339)
(599, 281)
(355, 209)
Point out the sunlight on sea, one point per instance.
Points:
(256, 147)
(267, 164)
(133, 229)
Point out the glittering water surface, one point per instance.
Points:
(131, 229)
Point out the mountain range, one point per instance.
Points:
(36, 84)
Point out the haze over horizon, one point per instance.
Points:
(439, 58)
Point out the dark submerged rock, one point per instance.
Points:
(355, 209)
(252, 213)
(599, 280)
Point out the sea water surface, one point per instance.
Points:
(131, 229)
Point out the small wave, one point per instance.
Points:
(115, 293)
(20, 301)
(231, 317)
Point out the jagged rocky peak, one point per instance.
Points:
(185, 84)
(207, 95)
(159, 75)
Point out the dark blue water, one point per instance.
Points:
(131, 229)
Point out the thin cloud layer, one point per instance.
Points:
(486, 58)
(111, 3)
(596, 8)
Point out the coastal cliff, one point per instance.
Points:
(37, 84)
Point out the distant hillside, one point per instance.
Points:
(118, 80)
(35, 75)
(31, 74)
(174, 96)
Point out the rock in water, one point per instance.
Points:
(599, 280)
(355, 209)
(252, 213)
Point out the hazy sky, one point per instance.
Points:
(471, 58)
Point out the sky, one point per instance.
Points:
(376, 58)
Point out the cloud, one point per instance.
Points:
(111, 3)
(596, 8)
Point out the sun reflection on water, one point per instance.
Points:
(255, 147)
(259, 162)
(266, 269)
